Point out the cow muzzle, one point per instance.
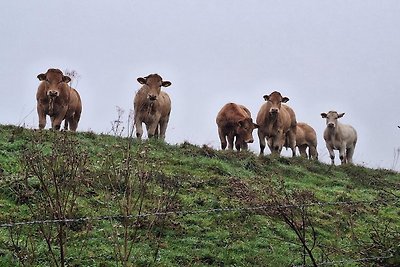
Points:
(273, 111)
(152, 97)
(331, 125)
(52, 93)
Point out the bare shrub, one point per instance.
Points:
(142, 194)
(54, 178)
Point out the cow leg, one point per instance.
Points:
(156, 131)
(239, 143)
(163, 127)
(73, 125)
(331, 153)
(222, 138)
(231, 137)
(244, 146)
(349, 155)
(342, 155)
(42, 118)
(270, 143)
(292, 142)
(261, 138)
(312, 151)
(139, 129)
(303, 150)
(66, 124)
(56, 123)
(151, 130)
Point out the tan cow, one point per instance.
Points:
(234, 121)
(306, 137)
(152, 107)
(58, 100)
(276, 122)
(340, 137)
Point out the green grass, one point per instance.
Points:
(196, 179)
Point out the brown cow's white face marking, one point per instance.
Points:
(331, 118)
(154, 83)
(276, 100)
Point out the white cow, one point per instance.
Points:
(340, 137)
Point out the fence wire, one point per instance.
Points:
(190, 212)
(344, 262)
(387, 255)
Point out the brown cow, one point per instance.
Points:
(306, 137)
(277, 122)
(152, 107)
(234, 120)
(58, 100)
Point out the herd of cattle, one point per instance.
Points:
(276, 122)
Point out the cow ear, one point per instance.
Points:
(166, 83)
(266, 97)
(66, 79)
(285, 99)
(41, 77)
(256, 125)
(323, 115)
(340, 115)
(141, 80)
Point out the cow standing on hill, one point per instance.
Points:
(306, 137)
(340, 137)
(152, 107)
(58, 100)
(276, 122)
(234, 121)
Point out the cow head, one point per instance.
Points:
(275, 99)
(154, 83)
(331, 118)
(245, 129)
(54, 80)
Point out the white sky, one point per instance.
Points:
(323, 55)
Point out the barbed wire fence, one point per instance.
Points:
(191, 212)
(115, 217)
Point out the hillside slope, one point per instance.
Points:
(98, 200)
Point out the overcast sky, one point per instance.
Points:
(323, 55)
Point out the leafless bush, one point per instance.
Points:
(396, 157)
(137, 190)
(74, 75)
(118, 127)
(292, 207)
(54, 178)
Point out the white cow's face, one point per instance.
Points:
(331, 118)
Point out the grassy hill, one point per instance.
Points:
(81, 199)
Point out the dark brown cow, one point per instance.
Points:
(234, 120)
(277, 122)
(152, 107)
(58, 100)
(306, 137)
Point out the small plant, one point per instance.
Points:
(74, 75)
(292, 208)
(143, 195)
(54, 178)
